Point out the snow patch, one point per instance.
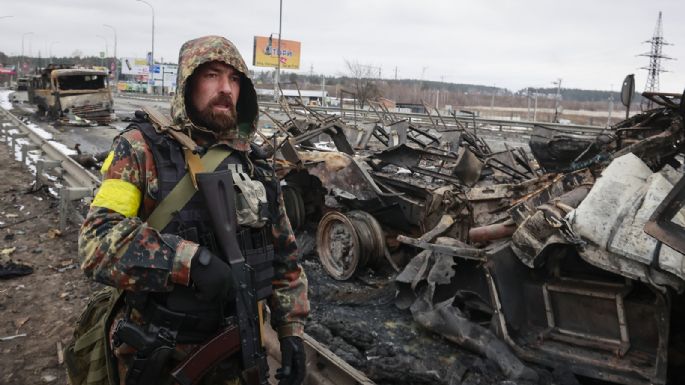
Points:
(5, 99)
(62, 148)
(39, 131)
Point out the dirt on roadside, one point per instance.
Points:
(39, 309)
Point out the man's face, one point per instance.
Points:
(214, 91)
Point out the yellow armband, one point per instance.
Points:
(120, 196)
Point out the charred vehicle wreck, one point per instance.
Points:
(528, 258)
(61, 92)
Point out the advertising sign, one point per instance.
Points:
(134, 66)
(165, 75)
(265, 53)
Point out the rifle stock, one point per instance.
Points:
(191, 370)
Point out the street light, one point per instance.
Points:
(116, 61)
(102, 59)
(22, 52)
(152, 53)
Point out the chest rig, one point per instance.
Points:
(256, 209)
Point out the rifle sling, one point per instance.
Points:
(185, 189)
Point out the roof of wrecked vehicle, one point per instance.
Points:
(76, 71)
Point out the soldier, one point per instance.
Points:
(160, 250)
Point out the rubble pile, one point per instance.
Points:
(531, 259)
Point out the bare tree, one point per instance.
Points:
(364, 77)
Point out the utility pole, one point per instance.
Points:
(323, 91)
(51, 44)
(395, 72)
(492, 101)
(655, 56)
(278, 63)
(102, 59)
(611, 108)
(152, 53)
(557, 100)
(19, 65)
(116, 60)
(528, 102)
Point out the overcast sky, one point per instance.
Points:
(590, 44)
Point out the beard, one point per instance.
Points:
(219, 122)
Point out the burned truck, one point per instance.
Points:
(65, 94)
(530, 259)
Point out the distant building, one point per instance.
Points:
(387, 103)
(309, 97)
(416, 108)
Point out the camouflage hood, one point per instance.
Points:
(216, 48)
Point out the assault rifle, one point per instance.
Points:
(219, 195)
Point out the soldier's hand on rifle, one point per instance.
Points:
(292, 362)
(211, 276)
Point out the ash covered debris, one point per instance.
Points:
(530, 260)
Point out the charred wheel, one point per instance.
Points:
(294, 206)
(346, 243)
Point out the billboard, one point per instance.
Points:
(134, 66)
(265, 55)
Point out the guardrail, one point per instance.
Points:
(466, 121)
(72, 183)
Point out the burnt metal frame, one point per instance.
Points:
(665, 99)
(576, 362)
(660, 224)
(406, 156)
(622, 344)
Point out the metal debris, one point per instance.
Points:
(533, 256)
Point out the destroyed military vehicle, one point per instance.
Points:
(61, 92)
(538, 259)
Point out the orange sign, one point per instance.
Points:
(265, 53)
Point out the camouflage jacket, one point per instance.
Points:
(119, 249)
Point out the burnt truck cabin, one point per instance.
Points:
(62, 92)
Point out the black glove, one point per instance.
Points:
(212, 276)
(292, 362)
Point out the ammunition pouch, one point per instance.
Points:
(258, 250)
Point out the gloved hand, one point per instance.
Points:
(292, 369)
(211, 276)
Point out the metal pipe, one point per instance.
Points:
(491, 232)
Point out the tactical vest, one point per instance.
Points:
(192, 223)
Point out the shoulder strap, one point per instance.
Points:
(187, 186)
(185, 189)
